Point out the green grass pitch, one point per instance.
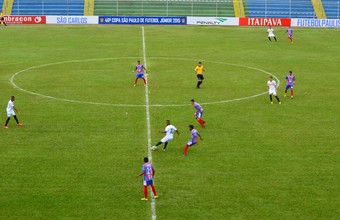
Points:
(78, 160)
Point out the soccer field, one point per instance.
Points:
(86, 131)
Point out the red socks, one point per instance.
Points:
(186, 149)
(201, 121)
(292, 93)
(146, 192)
(153, 190)
(136, 80)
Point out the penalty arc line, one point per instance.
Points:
(148, 125)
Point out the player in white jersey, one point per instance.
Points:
(271, 34)
(272, 90)
(11, 112)
(169, 131)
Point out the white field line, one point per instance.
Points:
(148, 125)
(134, 105)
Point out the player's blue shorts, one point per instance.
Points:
(191, 143)
(199, 114)
(148, 183)
(140, 75)
(289, 87)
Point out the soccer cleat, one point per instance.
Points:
(19, 124)
(134, 85)
(279, 103)
(144, 199)
(164, 150)
(156, 197)
(271, 103)
(292, 97)
(285, 95)
(6, 127)
(184, 155)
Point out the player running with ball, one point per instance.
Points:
(169, 131)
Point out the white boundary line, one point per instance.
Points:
(148, 125)
(135, 105)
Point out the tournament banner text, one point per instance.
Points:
(142, 20)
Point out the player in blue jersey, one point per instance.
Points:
(193, 140)
(290, 34)
(148, 171)
(140, 69)
(290, 78)
(199, 113)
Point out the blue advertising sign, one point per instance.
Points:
(142, 20)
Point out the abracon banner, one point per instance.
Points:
(265, 22)
(25, 19)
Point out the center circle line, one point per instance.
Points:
(133, 105)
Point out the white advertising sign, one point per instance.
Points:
(317, 23)
(71, 19)
(226, 21)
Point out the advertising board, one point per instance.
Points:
(265, 22)
(25, 19)
(226, 21)
(316, 23)
(71, 19)
(142, 20)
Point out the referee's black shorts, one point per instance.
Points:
(200, 77)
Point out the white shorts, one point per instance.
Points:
(10, 113)
(271, 35)
(166, 139)
(272, 92)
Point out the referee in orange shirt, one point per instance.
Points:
(199, 72)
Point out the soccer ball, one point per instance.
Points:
(154, 148)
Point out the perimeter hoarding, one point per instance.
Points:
(265, 22)
(219, 21)
(71, 19)
(143, 20)
(316, 23)
(25, 19)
